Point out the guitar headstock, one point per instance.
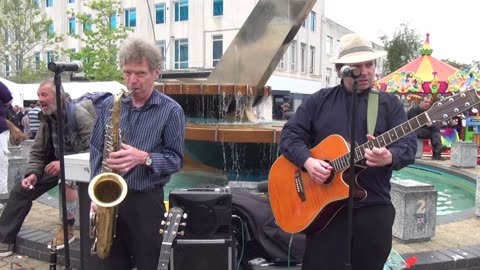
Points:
(448, 107)
(174, 220)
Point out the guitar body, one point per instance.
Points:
(320, 202)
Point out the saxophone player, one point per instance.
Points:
(152, 129)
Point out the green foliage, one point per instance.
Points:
(402, 48)
(29, 75)
(24, 31)
(99, 54)
(455, 64)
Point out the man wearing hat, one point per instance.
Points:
(328, 112)
(287, 112)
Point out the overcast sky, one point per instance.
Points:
(454, 26)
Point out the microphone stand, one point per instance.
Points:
(60, 129)
(353, 126)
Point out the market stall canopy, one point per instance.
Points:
(427, 75)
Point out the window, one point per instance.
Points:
(328, 45)
(160, 13)
(311, 69)
(50, 56)
(328, 75)
(303, 57)
(131, 17)
(37, 61)
(71, 1)
(161, 47)
(304, 23)
(313, 20)
(217, 51)
(293, 55)
(72, 53)
(18, 64)
(51, 30)
(281, 63)
(48, 3)
(181, 10)
(113, 20)
(88, 24)
(37, 3)
(181, 54)
(217, 7)
(7, 65)
(71, 26)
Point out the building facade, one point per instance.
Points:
(193, 35)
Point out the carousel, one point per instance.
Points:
(428, 76)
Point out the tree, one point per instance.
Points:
(24, 30)
(455, 64)
(101, 38)
(402, 48)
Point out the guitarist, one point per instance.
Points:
(328, 112)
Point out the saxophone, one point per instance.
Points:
(108, 189)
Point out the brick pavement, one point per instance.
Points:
(456, 244)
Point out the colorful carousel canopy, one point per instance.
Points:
(427, 75)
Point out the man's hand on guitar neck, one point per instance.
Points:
(377, 157)
(318, 170)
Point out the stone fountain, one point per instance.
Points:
(229, 115)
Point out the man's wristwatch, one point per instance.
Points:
(148, 160)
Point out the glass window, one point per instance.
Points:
(37, 61)
(71, 1)
(113, 20)
(161, 47)
(328, 75)
(160, 13)
(71, 26)
(181, 53)
(328, 45)
(303, 57)
(131, 17)
(7, 65)
(181, 10)
(313, 20)
(37, 3)
(281, 63)
(48, 3)
(311, 69)
(72, 52)
(50, 56)
(217, 51)
(217, 7)
(51, 29)
(88, 24)
(293, 56)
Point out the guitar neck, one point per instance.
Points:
(440, 111)
(164, 256)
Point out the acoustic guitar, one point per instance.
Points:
(173, 221)
(299, 204)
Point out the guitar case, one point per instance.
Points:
(262, 237)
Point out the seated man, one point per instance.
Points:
(430, 130)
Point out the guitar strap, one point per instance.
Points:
(372, 110)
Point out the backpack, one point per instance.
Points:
(92, 101)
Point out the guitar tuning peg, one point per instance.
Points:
(161, 231)
(183, 224)
(163, 222)
(181, 233)
(185, 215)
(165, 214)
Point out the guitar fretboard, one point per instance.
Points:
(440, 111)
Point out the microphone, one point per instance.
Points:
(352, 72)
(75, 66)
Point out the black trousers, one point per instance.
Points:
(432, 133)
(371, 244)
(18, 206)
(137, 240)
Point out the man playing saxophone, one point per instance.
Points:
(152, 131)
